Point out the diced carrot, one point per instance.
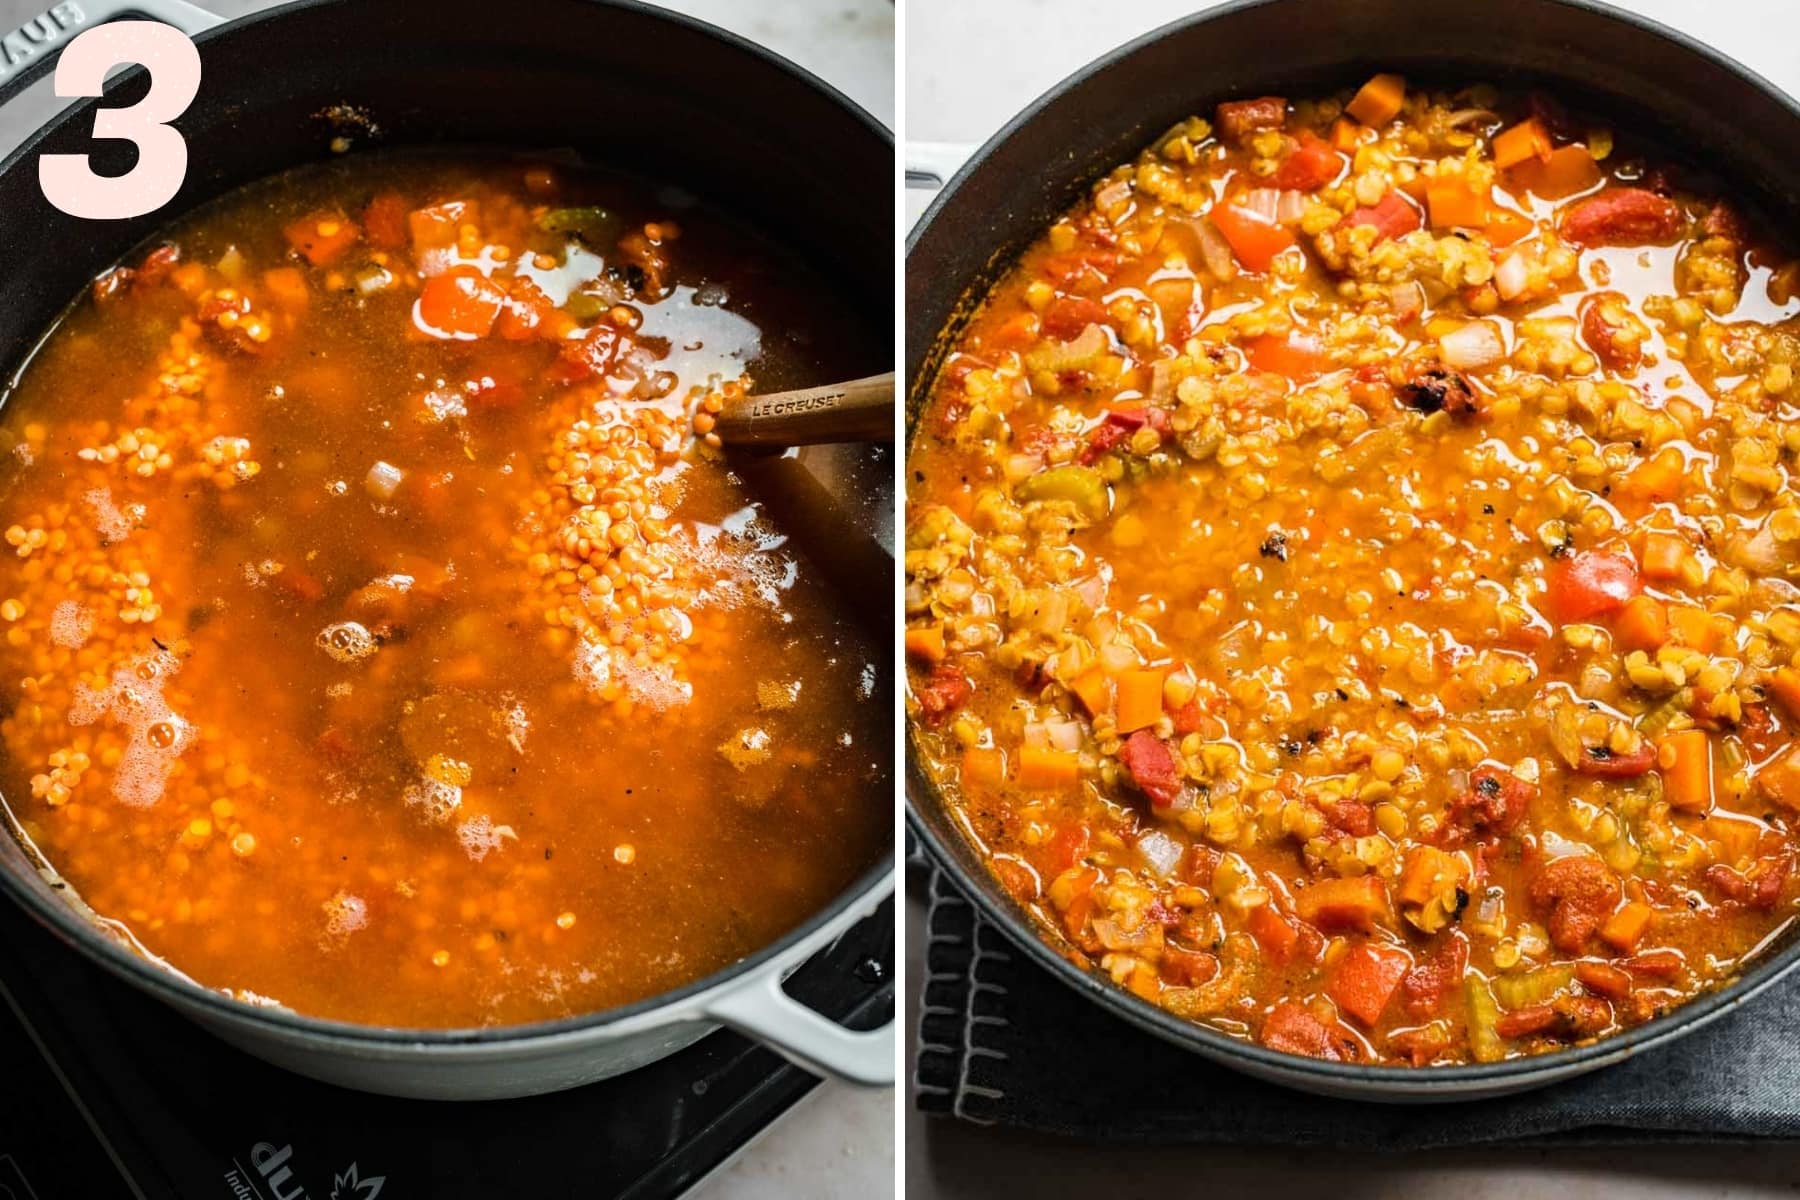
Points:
(1452, 203)
(1273, 932)
(1343, 135)
(1526, 140)
(1694, 628)
(1656, 964)
(1504, 227)
(1341, 904)
(1643, 624)
(1016, 332)
(1365, 980)
(984, 766)
(1094, 688)
(189, 279)
(437, 225)
(1685, 758)
(1378, 101)
(286, 287)
(321, 237)
(1297, 356)
(1785, 683)
(1736, 837)
(1603, 979)
(926, 644)
(1048, 770)
(1568, 169)
(1139, 699)
(1658, 479)
(1254, 240)
(1662, 555)
(1779, 778)
(1626, 928)
(1418, 878)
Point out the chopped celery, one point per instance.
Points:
(592, 225)
(1536, 986)
(1083, 487)
(1485, 1044)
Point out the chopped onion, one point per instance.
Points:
(1092, 591)
(1023, 466)
(1161, 852)
(383, 480)
(1053, 735)
(1263, 202)
(1117, 656)
(1472, 347)
(1408, 300)
(1073, 355)
(1290, 207)
(1215, 250)
(916, 600)
(1512, 275)
(231, 265)
(1112, 195)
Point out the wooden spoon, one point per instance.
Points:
(861, 410)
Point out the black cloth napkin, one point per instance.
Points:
(1001, 1042)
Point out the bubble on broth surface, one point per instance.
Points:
(157, 734)
(71, 625)
(653, 685)
(347, 641)
(114, 523)
(345, 914)
(436, 799)
(480, 835)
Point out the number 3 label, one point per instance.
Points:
(174, 65)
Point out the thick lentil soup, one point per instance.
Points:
(381, 639)
(1350, 578)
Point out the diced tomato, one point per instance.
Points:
(1067, 316)
(321, 237)
(1579, 893)
(438, 225)
(1495, 802)
(156, 267)
(524, 311)
(1254, 239)
(590, 355)
(1603, 979)
(1291, 1028)
(1590, 584)
(1523, 1022)
(1604, 763)
(1238, 119)
(1147, 761)
(1118, 427)
(384, 221)
(1188, 968)
(945, 690)
(1066, 268)
(1297, 356)
(1312, 165)
(1063, 849)
(1622, 217)
(1655, 964)
(1366, 978)
(462, 303)
(1393, 216)
(1419, 1046)
(1273, 932)
(1336, 905)
(1423, 989)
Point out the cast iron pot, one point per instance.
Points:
(1700, 105)
(623, 84)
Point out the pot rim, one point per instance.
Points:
(1429, 1082)
(169, 985)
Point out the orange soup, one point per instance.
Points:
(384, 639)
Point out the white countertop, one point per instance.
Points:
(970, 65)
(838, 1141)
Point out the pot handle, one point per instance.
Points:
(760, 1009)
(44, 35)
(931, 165)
